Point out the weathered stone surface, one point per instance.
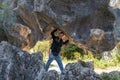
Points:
(38, 56)
(51, 75)
(79, 71)
(115, 9)
(16, 64)
(19, 34)
(77, 18)
(19, 65)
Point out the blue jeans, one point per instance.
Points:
(57, 58)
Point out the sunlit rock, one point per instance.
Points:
(16, 64)
(75, 17)
(79, 71)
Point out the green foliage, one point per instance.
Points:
(101, 63)
(41, 46)
(118, 57)
(3, 13)
(1, 30)
(1, 6)
(88, 56)
(71, 52)
(105, 63)
(106, 76)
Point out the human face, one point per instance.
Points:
(60, 35)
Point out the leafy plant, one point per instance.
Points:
(118, 57)
(1, 30)
(41, 46)
(1, 6)
(105, 76)
(71, 52)
(110, 76)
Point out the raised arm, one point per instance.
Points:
(53, 33)
(65, 42)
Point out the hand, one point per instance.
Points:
(65, 38)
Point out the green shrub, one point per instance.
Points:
(118, 57)
(71, 52)
(77, 55)
(109, 76)
(41, 46)
(88, 56)
(105, 76)
(1, 30)
(1, 6)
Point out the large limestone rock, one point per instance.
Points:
(16, 64)
(115, 9)
(51, 75)
(17, 31)
(79, 71)
(90, 24)
(19, 65)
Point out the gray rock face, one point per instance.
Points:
(77, 18)
(18, 32)
(19, 65)
(79, 71)
(16, 64)
(115, 9)
(51, 75)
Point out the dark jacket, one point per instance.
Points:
(56, 44)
